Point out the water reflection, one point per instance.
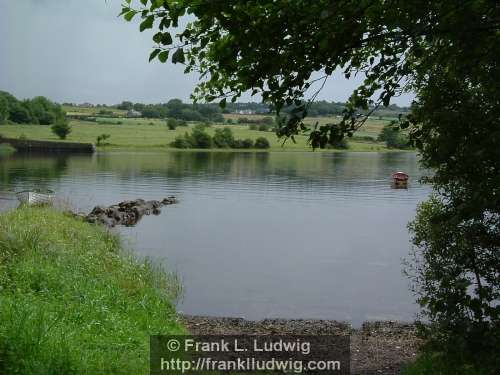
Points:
(310, 235)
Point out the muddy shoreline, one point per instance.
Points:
(376, 348)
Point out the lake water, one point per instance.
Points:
(256, 235)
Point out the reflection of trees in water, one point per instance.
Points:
(285, 168)
(33, 166)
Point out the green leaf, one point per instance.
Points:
(129, 15)
(124, 10)
(163, 56)
(144, 2)
(166, 39)
(222, 103)
(154, 54)
(178, 56)
(157, 37)
(147, 23)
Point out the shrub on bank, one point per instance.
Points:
(101, 139)
(393, 137)
(243, 143)
(172, 124)
(72, 301)
(223, 138)
(199, 138)
(182, 141)
(61, 128)
(262, 143)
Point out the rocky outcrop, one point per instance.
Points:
(126, 213)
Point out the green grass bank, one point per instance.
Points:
(148, 134)
(73, 301)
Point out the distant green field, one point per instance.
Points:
(371, 128)
(153, 133)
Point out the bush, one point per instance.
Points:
(46, 118)
(4, 109)
(248, 143)
(264, 127)
(182, 141)
(453, 264)
(101, 138)
(19, 114)
(262, 143)
(172, 124)
(38, 110)
(243, 143)
(393, 137)
(61, 128)
(199, 138)
(223, 138)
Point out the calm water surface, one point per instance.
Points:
(257, 235)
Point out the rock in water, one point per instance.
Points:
(127, 213)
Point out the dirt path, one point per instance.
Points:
(376, 348)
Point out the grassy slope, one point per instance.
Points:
(71, 301)
(148, 133)
(136, 135)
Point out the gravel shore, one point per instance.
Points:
(376, 348)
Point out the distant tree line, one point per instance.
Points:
(323, 108)
(176, 109)
(256, 121)
(39, 110)
(319, 108)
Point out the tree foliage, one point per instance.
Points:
(393, 137)
(38, 110)
(446, 52)
(223, 138)
(101, 139)
(4, 110)
(262, 142)
(176, 109)
(276, 47)
(61, 128)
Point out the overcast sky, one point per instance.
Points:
(80, 51)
